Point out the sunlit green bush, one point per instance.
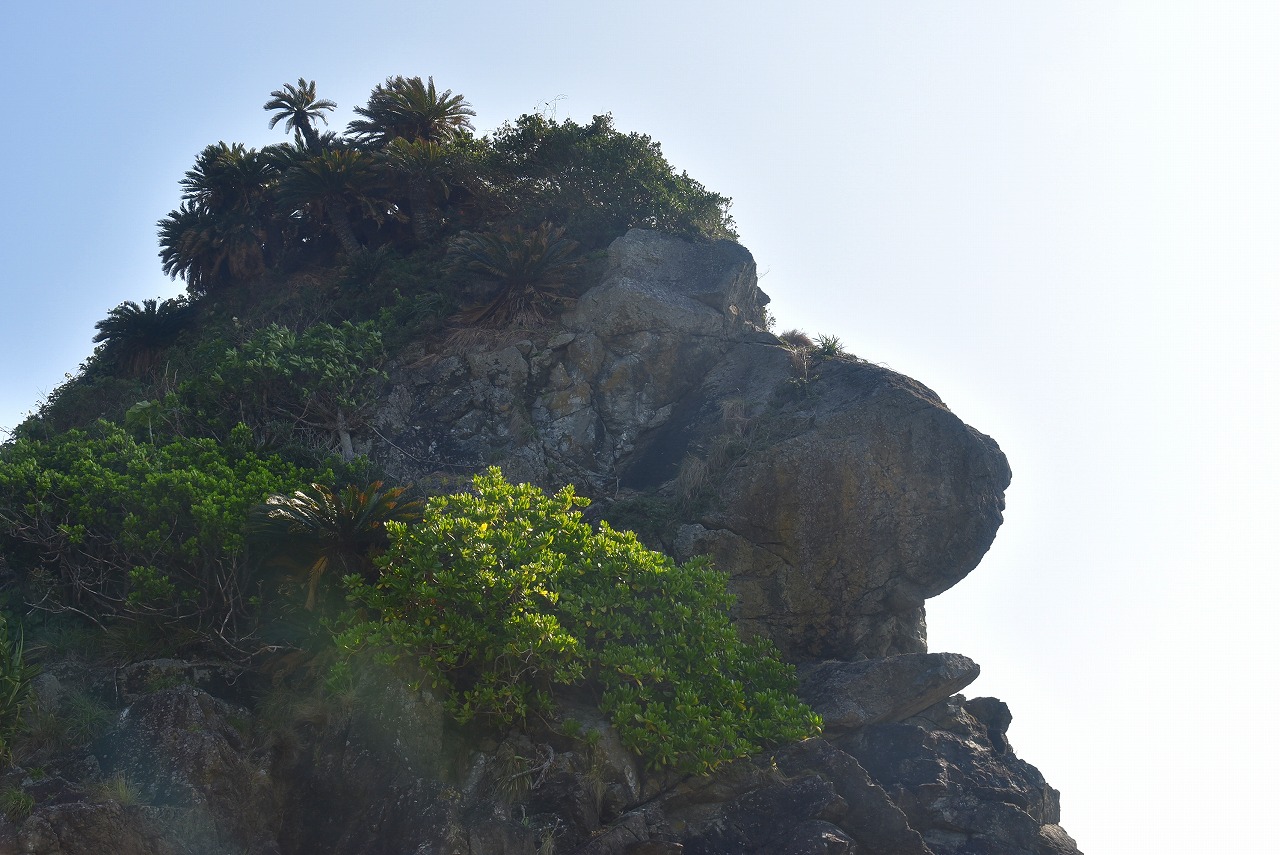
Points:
(500, 594)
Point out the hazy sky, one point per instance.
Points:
(1061, 216)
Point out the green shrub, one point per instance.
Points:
(597, 181)
(318, 384)
(500, 594)
(99, 523)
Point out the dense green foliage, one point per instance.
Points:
(500, 594)
(107, 526)
(317, 385)
(409, 173)
(598, 182)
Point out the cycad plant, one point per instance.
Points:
(135, 336)
(327, 187)
(426, 172)
(405, 108)
(299, 107)
(530, 268)
(318, 528)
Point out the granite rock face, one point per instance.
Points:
(963, 792)
(837, 495)
(850, 695)
(856, 496)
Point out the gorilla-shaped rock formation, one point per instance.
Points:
(836, 495)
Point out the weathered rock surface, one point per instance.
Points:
(956, 788)
(181, 748)
(837, 495)
(857, 496)
(850, 695)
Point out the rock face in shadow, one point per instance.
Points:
(852, 496)
(851, 695)
(963, 792)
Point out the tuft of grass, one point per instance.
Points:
(830, 346)
(85, 718)
(794, 339)
(16, 804)
(118, 789)
(691, 480)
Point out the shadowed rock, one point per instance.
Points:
(849, 695)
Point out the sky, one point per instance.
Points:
(1060, 216)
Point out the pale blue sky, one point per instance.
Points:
(1061, 216)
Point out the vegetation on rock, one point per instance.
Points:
(108, 527)
(318, 527)
(501, 594)
(198, 446)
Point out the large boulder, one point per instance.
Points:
(853, 494)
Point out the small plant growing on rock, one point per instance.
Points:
(118, 789)
(16, 678)
(16, 804)
(84, 718)
(829, 346)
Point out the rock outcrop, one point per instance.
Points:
(836, 495)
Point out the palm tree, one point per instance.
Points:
(327, 186)
(135, 336)
(299, 107)
(428, 172)
(208, 248)
(530, 268)
(317, 527)
(227, 225)
(230, 177)
(406, 108)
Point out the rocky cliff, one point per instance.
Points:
(837, 495)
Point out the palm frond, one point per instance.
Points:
(318, 527)
(529, 266)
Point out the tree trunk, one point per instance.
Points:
(344, 438)
(341, 225)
